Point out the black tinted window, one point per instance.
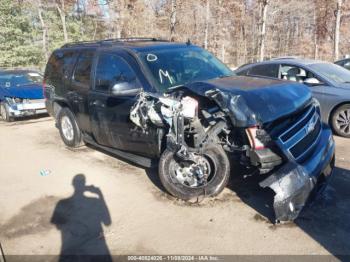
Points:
(59, 67)
(111, 70)
(269, 70)
(83, 68)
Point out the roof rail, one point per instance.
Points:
(284, 57)
(113, 40)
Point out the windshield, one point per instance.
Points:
(333, 72)
(178, 66)
(13, 79)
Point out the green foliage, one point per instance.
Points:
(18, 45)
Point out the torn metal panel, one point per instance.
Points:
(292, 186)
(25, 107)
(254, 100)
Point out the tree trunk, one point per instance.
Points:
(173, 20)
(264, 5)
(206, 25)
(337, 29)
(61, 11)
(44, 34)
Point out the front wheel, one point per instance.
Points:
(206, 176)
(4, 113)
(341, 121)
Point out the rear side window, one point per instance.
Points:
(269, 70)
(111, 70)
(59, 67)
(83, 68)
(243, 72)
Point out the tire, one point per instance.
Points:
(341, 121)
(69, 129)
(218, 181)
(4, 113)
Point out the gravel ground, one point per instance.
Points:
(43, 185)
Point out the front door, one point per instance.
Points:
(110, 114)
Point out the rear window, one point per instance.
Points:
(269, 70)
(59, 68)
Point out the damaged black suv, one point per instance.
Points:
(175, 104)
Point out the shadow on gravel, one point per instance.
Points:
(79, 219)
(326, 218)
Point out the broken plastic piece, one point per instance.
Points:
(292, 186)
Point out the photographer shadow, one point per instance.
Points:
(80, 219)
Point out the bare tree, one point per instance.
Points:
(44, 31)
(337, 29)
(60, 6)
(173, 20)
(207, 17)
(263, 7)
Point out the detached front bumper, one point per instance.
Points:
(293, 182)
(27, 108)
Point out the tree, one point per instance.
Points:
(263, 7)
(337, 28)
(17, 36)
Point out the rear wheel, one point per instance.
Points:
(69, 129)
(341, 121)
(4, 113)
(206, 176)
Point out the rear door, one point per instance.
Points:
(110, 114)
(79, 89)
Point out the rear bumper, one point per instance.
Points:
(33, 107)
(293, 182)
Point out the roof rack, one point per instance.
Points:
(114, 40)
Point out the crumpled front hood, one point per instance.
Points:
(30, 91)
(260, 100)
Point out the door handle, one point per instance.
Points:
(98, 103)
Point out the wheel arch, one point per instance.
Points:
(58, 105)
(330, 115)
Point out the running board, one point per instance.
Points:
(139, 160)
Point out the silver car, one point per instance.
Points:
(330, 84)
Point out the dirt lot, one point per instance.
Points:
(133, 215)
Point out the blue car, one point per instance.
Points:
(21, 94)
(329, 83)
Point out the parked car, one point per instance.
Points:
(21, 94)
(178, 106)
(344, 63)
(329, 83)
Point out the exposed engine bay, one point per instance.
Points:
(191, 126)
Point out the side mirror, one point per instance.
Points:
(125, 89)
(312, 82)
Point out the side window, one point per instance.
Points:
(83, 68)
(59, 67)
(243, 72)
(111, 70)
(269, 70)
(347, 64)
(295, 73)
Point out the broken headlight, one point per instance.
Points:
(256, 142)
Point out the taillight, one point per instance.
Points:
(255, 143)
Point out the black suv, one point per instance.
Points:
(176, 105)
